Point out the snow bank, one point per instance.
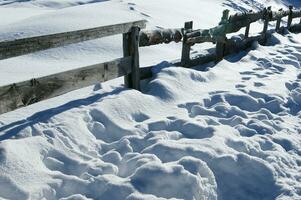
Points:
(229, 132)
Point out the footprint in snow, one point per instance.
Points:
(258, 84)
(240, 86)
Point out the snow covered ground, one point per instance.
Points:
(230, 132)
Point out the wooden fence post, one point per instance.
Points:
(185, 59)
(221, 39)
(290, 17)
(131, 48)
(278, 23)
(248, 28)
(247, 31)
(267, 13)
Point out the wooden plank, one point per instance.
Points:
(220, 44)
(247, 31)
(126, 52)
(267, 16)
(278, 23)
(135, 74)
(290, 17)
(296, 13)
(25, 93)
(279, 14)
(200, 39)
(250, 16)
(231, 46)
(33, 44)
(185, 58)
(238, 45)
(203, 59)
(130, 48)
(154, 37)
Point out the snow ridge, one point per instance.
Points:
(229, 132)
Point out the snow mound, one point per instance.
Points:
(228, 132)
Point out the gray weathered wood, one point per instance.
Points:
(267, 16)
(231, 46)
(296, 13)
(247, 31)
(250, 16)
(30, 45)
(220, 44)
(290, 17)
(131, 48)
(278, 23)
(185, 58)
(200, 39)
(203, 59)
(126, 52)
(148, 38)
(279, 14)
(135, 58)
(25, 93)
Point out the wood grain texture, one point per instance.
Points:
(28, 92)
(131, 48)
(290, 17)
(135, 65)
(250, 17)
(296, 13)
(154, 37)
(185, 58)
(30, 45)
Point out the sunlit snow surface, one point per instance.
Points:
(230, 132)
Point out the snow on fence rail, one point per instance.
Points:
(25, 93)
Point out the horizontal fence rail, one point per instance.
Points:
(27, 92)
(33, 44)
(148, 38)
(24, 93)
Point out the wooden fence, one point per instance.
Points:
(25, 93)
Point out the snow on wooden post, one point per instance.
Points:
(185, 59)
(267, 15)
(278, 23)
(248, 28)
(154, 37)
(221, 38)
(27, 92)
(290, 17)
(131, 48)
(23, 46)
(247, 31)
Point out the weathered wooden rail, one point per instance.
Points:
(25, 93)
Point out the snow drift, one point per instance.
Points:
(229, 132)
